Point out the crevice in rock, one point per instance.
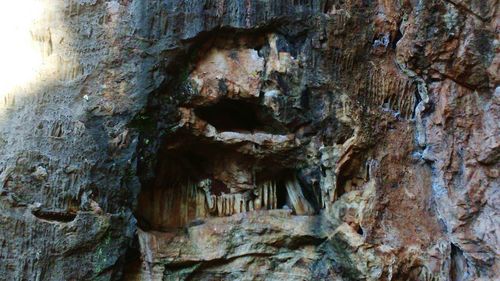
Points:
(458, 264)
(359, 230)
(54, 215)
(132, 261)
(396, 39)
(418, 99)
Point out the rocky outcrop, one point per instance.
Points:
(253, 140)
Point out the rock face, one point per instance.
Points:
(253, 140)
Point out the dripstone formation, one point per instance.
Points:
(255, 140)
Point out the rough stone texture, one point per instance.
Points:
(254, 140)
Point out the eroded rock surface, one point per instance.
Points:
(255, 140)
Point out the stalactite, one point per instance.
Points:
(237, 203)
(177, 206)
(264, 195)
(219, 204)
(297, 200)
(257, 200)
(275, 198)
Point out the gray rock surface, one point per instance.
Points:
(252, 140)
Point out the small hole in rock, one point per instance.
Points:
(360, 230)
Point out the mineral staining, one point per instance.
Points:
(252, 140)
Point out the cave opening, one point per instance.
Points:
(231, 115)
(199, 173)
(173, 197)
(239, 116)
(279, 177)
(194, 182)
(197, 178)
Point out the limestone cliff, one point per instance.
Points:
(251, 140)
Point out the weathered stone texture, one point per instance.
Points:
(255, 140)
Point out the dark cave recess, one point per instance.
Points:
(239, 116)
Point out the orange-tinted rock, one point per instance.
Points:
(250, 140)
